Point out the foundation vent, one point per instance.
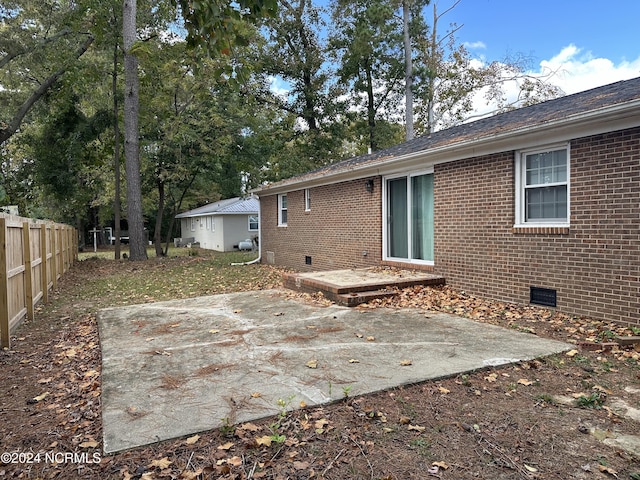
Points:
(542, 296)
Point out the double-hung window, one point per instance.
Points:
(307, 200)
(253, 223)
(542, 187)
(282, 209)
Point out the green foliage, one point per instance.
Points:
(594, 400)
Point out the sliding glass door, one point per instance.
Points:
(409, 212)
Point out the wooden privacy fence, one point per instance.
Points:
(33, 256)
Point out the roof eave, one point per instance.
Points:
(603, 120)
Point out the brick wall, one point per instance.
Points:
(344, 222)
(594, 265)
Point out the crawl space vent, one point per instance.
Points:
(542, 296)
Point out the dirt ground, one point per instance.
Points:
(552, 418)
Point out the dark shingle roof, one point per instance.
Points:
(511, 121)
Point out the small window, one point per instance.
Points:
(282, 209)
(208, 223)
(307, 200)
(542, 182)
(193, 224)
(253, 223)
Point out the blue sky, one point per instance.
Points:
(543, 27)
(590, 43)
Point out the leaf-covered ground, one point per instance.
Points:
(553, 418)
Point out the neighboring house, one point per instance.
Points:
(222, 225)
(540, 204)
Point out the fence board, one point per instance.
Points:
(33, 255)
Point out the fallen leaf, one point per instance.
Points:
(235, 461)
(609, 470)
(525, 382)
(192, 440)
(278, 314)
(237, 311)
(441, 465)
(571, 353)
(406, 363)
(492, 377)
(214, 331)
(256, 395)
(265, 440)
(371, 339)
(226, 446)
(404, 420)
(300, 465)
(320, 423)
(602, 389)
(312, 364)
(189, 475)
(251, 427)
(89, 444)
(302, 404)
(163, 463)
(353, 360)
(416, 428)
(359, 335)
(531, 469)
(443, 390)
(45, 380)
(41, 397)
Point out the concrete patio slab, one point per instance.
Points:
(174, 368)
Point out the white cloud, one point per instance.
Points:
(576, 71)
(475, 45)
(571, 69)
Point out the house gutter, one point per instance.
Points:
(257, 260)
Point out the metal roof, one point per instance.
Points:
(231, 206)
(598, 110)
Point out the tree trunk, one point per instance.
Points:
(408, 71)
(157, 235)
(433, 66)
(137, 239)
(371, 108)
(116, 155)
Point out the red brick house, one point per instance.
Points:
(537, 204)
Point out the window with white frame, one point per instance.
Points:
(253, 223)
(542, 186)
(193, 224)
(282, 209)
(307, 200)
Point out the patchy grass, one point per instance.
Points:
(497, 423)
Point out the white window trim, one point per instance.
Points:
(249, 223)
(520, 182)
(280, 209)
(193, 224)
(307, 200)
(213, 223)
(385, 224)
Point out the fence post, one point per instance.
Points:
(54, 255)
(28, 273)
(5, 334)
(45, 268)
